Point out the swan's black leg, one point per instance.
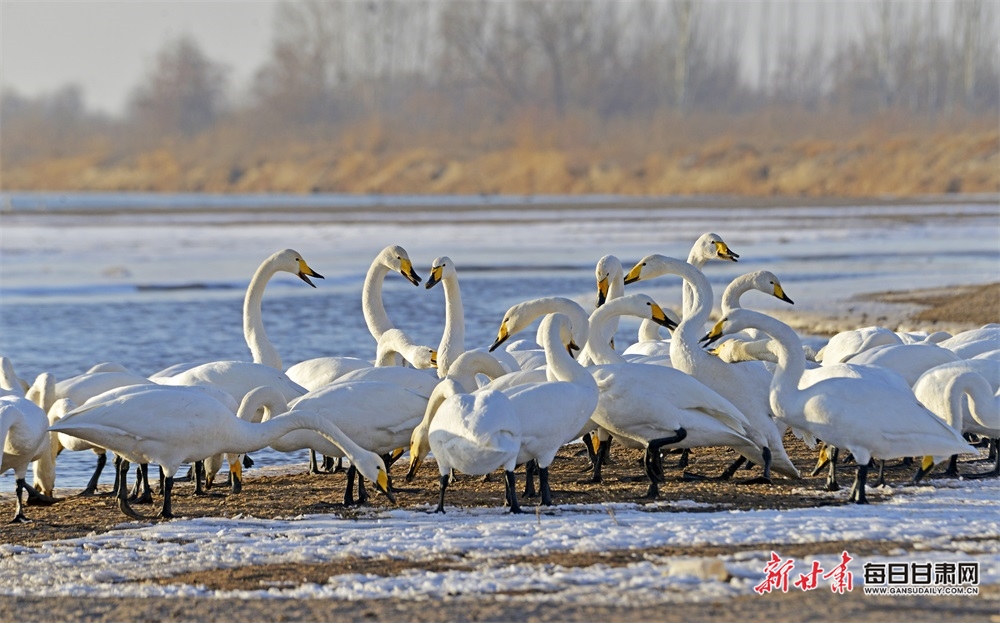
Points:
(91, 488)
(588, 442)
(444, 485)
(35, 498)
(880, 481)
(199, 477)
(362, 491)
(137, 488)
(543, 485)
(168, 485)
(766, 478)
(142, 493)
(993, 473)
(685, 459)
(831, 476)
(122, 493)
(313, 465)
(19, 516)
(530, 469)
(511, 483)
(858, 489)
(349, 493)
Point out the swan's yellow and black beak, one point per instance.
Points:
(779, 292)
(305, 273)
(659, 317)
(435, 277)
(383, 485)
(434, 359)
(925, 468)
(635, 274)
(501, 337)
(714, 334)
(406, 270)
(821, 461)
(725, 252)
(572, 347)
(602, 291)
(415, 462)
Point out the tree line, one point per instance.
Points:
(471, 73)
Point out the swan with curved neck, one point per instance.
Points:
(867, 418)
(520, 316)
(289, 261)
(743, 384)
(321, 371)
(171, 426)
(453, 339)
(604, 320)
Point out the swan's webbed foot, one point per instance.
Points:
(530, 469)
(652, 493)
(37, 498)
(857, 494)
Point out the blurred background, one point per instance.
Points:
(638, 97)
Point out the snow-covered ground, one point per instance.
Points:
(946, 522)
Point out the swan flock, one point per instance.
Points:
(692, 380)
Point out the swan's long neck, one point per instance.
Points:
(371, 300)
(578, 317)
(248, 436)
(266, 400)
(253, 322)
(470, 363)
(453, 339)
(982, 402)
(560, 366)
(603, 323)
(736, 288)
(685, 352)
(786, 398)
(649, 331)
(689, 297)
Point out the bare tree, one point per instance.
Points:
(184, 93)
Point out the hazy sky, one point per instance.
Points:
(107, 47)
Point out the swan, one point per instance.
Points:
(261, 348)
(315, 373)
(520, 316)
(170, 426)
(743, 384)
(567, 401)
(943, 389)
(289, 261)
(968, 344)
(649, 407)
(453, 339)
(78, 390)
(869, 419)
(419, 379)
(909, 360)
(604, 321)
(846, 344)
(474, 434)
(378, 416)
(23, 433)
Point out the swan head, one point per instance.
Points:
(608, 267)
(712, 247)
(767, 282)
(395, 258)
(420, 446)
(442, 268)
(291, 261)
(512, 322)
(636, 273)
(373, 468)
(736, 320)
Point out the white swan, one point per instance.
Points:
(261, 348)
(378, 416)
(315, 373)
(474, 434)
(963, 394)
(743, 384)
(650, 407)
(567, 401)
(604, 321)
(968, 344)
(908, 360)
(869, 419)
(847, 344)
(23, 426)
(453, 338)
(522, 315)
(288, 261)
(171, 426)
